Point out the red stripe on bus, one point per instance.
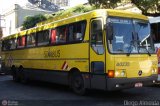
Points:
(63, 64)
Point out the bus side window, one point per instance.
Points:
(77, 31)
(53, 36)
(21, 42)
(70, 33)
(13, 43)
(6, 45)
(31, 40)
(62, 34)
(43, 37)
(3, 46)
(97, 36)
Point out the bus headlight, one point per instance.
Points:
(120, 73)
(116, 73)
(123, 73)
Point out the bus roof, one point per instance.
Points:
(110, 12)
(128, 14)
(92, 14)
(10, 36)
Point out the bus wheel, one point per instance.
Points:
(14, 74)
(77, 83)
(23, 78)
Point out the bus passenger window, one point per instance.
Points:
(6, 45)
(13, 43)
(31, 40)
(43, 37)
(77, 31)
(53, 36)
(62, 34)
(78, 36)
(70, 33)
(21, 42)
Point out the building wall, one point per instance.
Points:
(15, 16)
(10, 20)
(22, 13)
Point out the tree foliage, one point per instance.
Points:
(78, 9)
(31, 21)
(148, 7)
(104, 3)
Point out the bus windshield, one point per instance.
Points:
(129, 36)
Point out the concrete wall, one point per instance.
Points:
(15, 16)
(10, 22)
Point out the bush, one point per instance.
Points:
(31, 21)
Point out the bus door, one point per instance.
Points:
(97, 55)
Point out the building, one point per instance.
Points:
(15, 15)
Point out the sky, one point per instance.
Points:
(5, 4)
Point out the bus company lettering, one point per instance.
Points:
(123, 64)
(52, 53)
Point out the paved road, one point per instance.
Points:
(47, 94)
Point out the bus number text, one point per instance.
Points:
(52, 53)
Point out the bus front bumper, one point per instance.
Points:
(122, 83)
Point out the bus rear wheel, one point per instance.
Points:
(23, 78)
(14, 74)
(77, 83)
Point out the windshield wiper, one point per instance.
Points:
(148, 52)
(139, 44)
(131, 43)
(128, 54)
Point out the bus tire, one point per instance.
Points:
(77, 83)
(23, 78)
(14, 74)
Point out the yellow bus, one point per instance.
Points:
(101, 49)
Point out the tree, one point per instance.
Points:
(31, 21)
(148, 7)
(74, 10)
(104, 3)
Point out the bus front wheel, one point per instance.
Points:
(77, 83)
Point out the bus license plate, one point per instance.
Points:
(138, 84)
